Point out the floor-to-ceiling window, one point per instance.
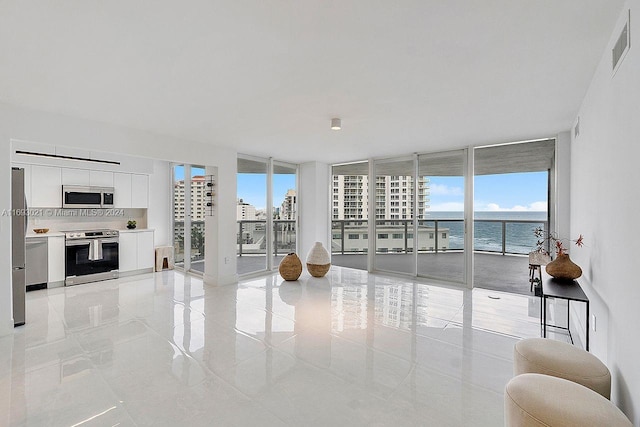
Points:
(178, 214)
(252, 214)
(198, 202)
(512, 193)
(350, 214)
(423, 207)
(441, 229)
(266, 213)
(394, 212)
(189, 210)
(285, 210)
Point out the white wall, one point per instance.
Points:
(55, 129)
(314, 211)
(159, 213)
(605, 202)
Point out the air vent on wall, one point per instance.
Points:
(622, 45)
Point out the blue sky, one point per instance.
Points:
(252, 188)
(505, 192)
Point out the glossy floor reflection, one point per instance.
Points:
(351, 348)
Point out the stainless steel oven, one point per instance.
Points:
(91, 255)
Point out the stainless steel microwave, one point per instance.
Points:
(80, 196)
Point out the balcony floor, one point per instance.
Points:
(506, 273)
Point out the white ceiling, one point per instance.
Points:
(266, 76)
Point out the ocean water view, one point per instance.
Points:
(519, 234)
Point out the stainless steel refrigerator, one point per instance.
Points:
(18, 256)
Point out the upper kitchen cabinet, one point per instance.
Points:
(139, 191)
(46, 187)
(122, 190)
(101, 178)
(75, 176)
(131, 190)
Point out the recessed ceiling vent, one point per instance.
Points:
(622, 45)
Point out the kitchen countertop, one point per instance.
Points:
(32, 235)
(135, 230)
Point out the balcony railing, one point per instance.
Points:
(251, 237)
(197, 241)
(496, 236)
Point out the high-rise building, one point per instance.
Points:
(198, 203)
(288, 207)
(245, 211)
(393, 197)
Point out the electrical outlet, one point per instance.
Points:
(593, 322)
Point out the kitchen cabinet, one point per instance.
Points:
(122, 190)
(46, 187)
(56, 256)
(136, 250)
(75, 176)
(101, 178)
(139, 191)
(36, 261)
(146, 252)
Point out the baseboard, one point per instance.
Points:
(135, 272)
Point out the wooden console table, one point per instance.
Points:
(566, 289)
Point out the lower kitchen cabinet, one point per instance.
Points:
(136, 250)
(56, 256)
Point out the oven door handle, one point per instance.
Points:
(88, 241)
(77, 242)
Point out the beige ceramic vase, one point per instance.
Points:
(318, 262)
(563, 268)
(290, 267)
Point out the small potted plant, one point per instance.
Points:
(131, 224)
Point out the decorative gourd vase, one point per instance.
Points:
(318, 262)
(290, 267)
(563, 268)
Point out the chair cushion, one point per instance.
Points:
(562, 360)
(532, 400)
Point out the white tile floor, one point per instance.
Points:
(348, 349)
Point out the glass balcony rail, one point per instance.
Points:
(251, 237)
(197, 241)
(396, 235)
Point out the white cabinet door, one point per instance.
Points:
(128, 251)
(75, 176)
(46, 187)
(146, 251)
(139, 191)
(56, 253)
(122, 190)
(101, 178)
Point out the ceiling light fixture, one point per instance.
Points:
(336, 124)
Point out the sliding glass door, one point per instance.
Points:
(267, 213)
(394, 213)
(441, 225)
(251, 249)
(285, 210)
(189, 208)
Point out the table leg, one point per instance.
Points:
(544, 316)
(587, 334)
